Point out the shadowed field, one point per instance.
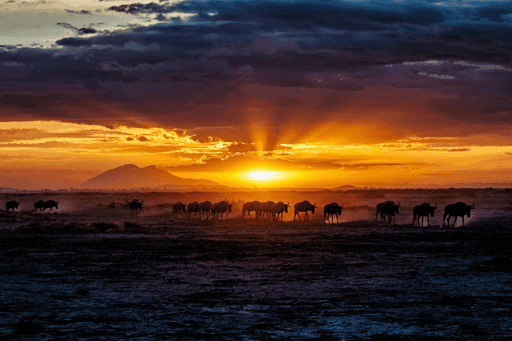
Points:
(254, 281)
(95, 273)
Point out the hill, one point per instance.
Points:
(345, 188)
(131, 176)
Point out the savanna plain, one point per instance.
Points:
(88, 271)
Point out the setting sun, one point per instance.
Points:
(261, 175)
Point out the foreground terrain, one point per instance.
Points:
(249, 280)
(94, 273)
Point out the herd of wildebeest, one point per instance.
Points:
(270, 209)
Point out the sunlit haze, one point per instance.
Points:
(261, 175)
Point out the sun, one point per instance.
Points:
(261, 175)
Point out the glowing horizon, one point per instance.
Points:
(95, 149)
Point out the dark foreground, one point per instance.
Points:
(247, 281)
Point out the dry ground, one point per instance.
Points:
(88, 275)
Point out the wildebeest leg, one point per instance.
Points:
(454, 221)
(463, 221)
(337, 221)
(428, 222)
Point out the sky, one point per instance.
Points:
(316, 93)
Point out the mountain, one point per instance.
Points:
(131, 176)
(345, 188)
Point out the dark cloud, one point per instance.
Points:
(79, 31)
(278, 72)
(74, 42)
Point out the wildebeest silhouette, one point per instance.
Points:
(221, 208)
(50, 204)
(279, 209)
(331, 210)
(423, 210)
(252, 206)
(389, 209)
(11, 205)
(178, 208)
(205, 209)
(266, 209)
(38, 205)
(303, 206)
(135, 206)
(458, 209)
(193, 208)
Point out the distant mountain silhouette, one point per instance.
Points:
(345, 188)
(131, 176)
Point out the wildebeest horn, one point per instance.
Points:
(398, 204)
(473, 205)
(435, 205)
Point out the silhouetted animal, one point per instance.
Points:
(303, 206)
(253, 206)
(134, 206)
(193, 208)
(423, 210)
(459, 209)
(11, 205)
(39, 205)
(112, 205)
(205, 209)
(331, 210)
(388, 209)
(178, 208)
(266, 209)
(279, 209)
(221, 208)
(50, 204)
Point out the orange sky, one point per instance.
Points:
(82, 151)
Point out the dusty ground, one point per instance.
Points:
(85, 275)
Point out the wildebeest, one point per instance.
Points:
(38, 205)
(221, 208)
(205, 209)
(178, 208)
(331, 210)
(459, 209)
(11, 204)
(423, 210)
(266, 209)
(252, 206)
(389, 209)
(303, 206)
(112, 205)
(193, 208)
(50, 204)
(134, 206)
(279, 209)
